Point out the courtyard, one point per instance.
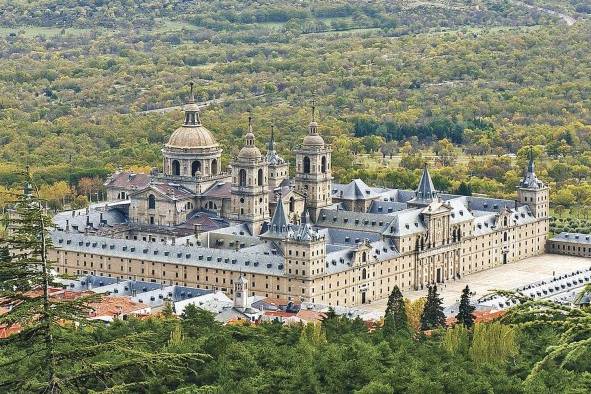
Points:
(505, 277)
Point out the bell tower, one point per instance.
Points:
(313, 177)
(250, 188)
(241, 293)
(305, 256)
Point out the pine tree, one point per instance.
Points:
(395, 318)
(465, 315)
(433, 316)
(571, 323)
(26, 280)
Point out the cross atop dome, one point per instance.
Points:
(313, 125)
(191, 110)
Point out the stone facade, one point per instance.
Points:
(571, 244)
(305, 239)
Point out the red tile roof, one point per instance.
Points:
(115, 306)
(311, 315)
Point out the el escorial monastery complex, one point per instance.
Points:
(253, 229)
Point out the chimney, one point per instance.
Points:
(101, 219)
(67, 225)
(73, 213)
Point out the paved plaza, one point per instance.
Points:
(504, 277)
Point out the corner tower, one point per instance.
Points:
(250, 190)
(305, 257)
(533, 192)
(313, 177)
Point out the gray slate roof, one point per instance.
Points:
(578, 238)
(175, 254)
(354, 190)
(81, 218)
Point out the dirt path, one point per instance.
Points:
(569, 20)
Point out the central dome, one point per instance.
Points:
(191, 137)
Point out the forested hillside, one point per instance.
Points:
(457, 83)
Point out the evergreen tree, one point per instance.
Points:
(464, 189)
(26, 280)
(465, 315)
(395, 317)
(433, 316)
(45, 357)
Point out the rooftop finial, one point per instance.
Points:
(250, 134)
(191, 95)
(313, 109)
(28, 188)
(530, 165)
(191, 109)
(271, 146)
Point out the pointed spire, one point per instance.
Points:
(313, 126)
(305, 232)
(279, 222)
(191, 109)
(191, 95)
(530, 180)
(271, 146)
(305, 219)
(28, 187)
(530, 165)
(250, 134)
(426, 189)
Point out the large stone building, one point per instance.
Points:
(303, 238)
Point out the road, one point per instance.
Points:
(202, 104)
(569, 20)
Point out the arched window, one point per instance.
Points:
(214, 167)
(323, 164)
(364, 257)
(505, 237)
(176, 167)
(242, 177)
(260, 177)
(291, 204)
(151, 202)
(306, 165)
(364, 274)
(506, 221)
(195, 166)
